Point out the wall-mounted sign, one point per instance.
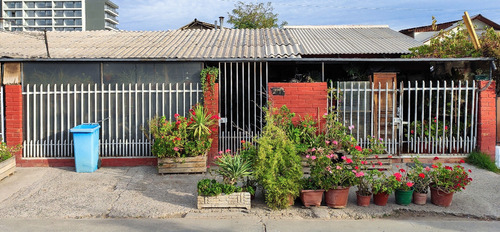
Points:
(278, 91)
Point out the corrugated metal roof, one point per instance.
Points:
(291, 42)
(323, 40)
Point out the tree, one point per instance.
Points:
(254, 15)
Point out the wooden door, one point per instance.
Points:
(384, 104)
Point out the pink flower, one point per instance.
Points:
(338, 167)
(314, 149)
(313, 157)
(221, 152)
(409, 184)
(228, 150)
(351, 127)
(176, 149)
(335, 142)
(307, 156)
(427, 168)
(380, 139)
(348, 161)
(344, 158)
(360, 174)
(363, 162)
(327, 142)
(325, 114)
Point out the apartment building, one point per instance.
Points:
(58, 15)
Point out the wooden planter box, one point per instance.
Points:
(234, 200)
(7, 167)
(195, 164)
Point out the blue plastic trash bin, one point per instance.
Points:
(86, 144)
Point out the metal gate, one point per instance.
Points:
(2, 116)
(51, 110)
(242, 94)
(425, 118)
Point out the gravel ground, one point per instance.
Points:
(139, 192)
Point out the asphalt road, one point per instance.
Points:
(243, 224)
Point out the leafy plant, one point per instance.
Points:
(383, 183)
(209, 76)
(210, 187)
(365, 182)
(420, 177)
(449, 179)
(184, 137)
(232, 167)
(277, 166)
(403, 179)
(6, 151)
(483, 161)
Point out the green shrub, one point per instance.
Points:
(483, 161)
(277, 166)
(6, 152)
(210, 187)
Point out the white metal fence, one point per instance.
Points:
(414, 117)
(121, 110)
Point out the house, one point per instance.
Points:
(123, 78)
(196, 24)
(425, 33)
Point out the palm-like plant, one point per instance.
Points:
(232, 168)
(201, 121)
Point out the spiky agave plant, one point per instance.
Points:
(232, 167)
(201, 121)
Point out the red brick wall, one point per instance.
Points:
(486, 120)
(14, 117)
(211, 101)
(302, 99)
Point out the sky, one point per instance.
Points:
(161, 15)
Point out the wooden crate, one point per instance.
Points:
(197, 164)
(7, 167)
(234, 200)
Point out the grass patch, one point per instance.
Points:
(483, 161)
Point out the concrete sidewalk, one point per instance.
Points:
(139, 192)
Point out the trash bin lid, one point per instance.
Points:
(85, 128)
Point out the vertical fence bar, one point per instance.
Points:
(465, 145)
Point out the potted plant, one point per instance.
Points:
(212, 194)
(7, 160)
(364, 184)
(277, 166)
(311, 193)
(404, 190)
(382, 186)
(446, 180)
(232, 167)
(339, 177)
(419, 175)
(181, 145)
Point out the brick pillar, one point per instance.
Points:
(14, 117)
(211, 101)
(486, 120)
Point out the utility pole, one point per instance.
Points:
(471, 30)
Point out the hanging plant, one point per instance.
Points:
(208, 78)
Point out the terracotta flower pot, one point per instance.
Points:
(311, 197)
(419, 198)
(380, 199)
(363, 200)
(337, 198)
(403, 197)
(441, 198)
(291, 200)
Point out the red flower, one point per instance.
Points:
(434, 166)
(422, 175)
(461, 161)
(376, 156)
(448, 167)
(389, 156)
(178, 122)
(348, 161)
(176, 115)
(356, 167)
(436, 158)
(470, 170)
(194, 113)
(379, 163)
(358, 148)
(398, 175)
(242, 141)
(409, 184)
(402, 170)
